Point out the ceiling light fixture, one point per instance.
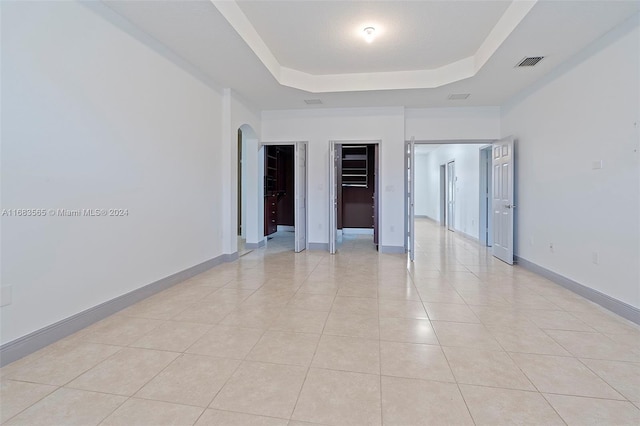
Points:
(369, 34)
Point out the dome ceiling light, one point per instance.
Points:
(369, 33)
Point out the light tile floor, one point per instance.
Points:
(278, 338)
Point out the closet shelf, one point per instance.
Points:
(355, 166)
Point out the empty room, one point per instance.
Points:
(220, 212)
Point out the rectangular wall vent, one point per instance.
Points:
(530, 61)
(459, 96)
(312, 101)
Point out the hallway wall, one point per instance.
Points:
(467, 166)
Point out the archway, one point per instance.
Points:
(247, 190)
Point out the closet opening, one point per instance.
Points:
(285, 196)
(356, 196)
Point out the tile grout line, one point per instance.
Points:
(448, 363)
(304, 381)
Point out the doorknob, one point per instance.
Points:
(510, 206)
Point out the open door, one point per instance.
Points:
(451, 195)
(300, 209)
(443, 195)
(502, 199)
(240, 210)
(376, 194)
(334, 159)
(485, 230)
(411, 186)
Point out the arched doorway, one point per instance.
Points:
(247, 189)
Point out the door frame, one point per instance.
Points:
(296, 190)
(485, 223)
(261, 153)
(443, 194)
(408, 226)
(410, 198)
(250, 181)
(451, 195)
(241, 209)
(333, 190)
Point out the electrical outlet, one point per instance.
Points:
(392, 228)
(530, 241)
(595, 258)
(551, 249)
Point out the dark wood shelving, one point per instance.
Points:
(355, 166)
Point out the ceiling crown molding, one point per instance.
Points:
(409, 79)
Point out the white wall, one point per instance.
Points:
(585, 112)
(92, 118)
(461, 123)
(467, 171)
(318, 127)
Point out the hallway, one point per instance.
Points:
(278, 338)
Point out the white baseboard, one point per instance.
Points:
(23, 346)
(614, 305)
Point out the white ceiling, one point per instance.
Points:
(320, 37)
(314, 44)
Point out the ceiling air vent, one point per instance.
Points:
(459, 96)
(312, 101)
(530, 61)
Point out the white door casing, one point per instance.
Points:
(333, 197)
(443, 195)
(502, 205)
(300, 182)
(411, 186)
(451, 195)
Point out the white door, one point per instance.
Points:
(411, 186)
(502, 200)
(451, 195)
(443, 195)
(300, 214)
(333, 197)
